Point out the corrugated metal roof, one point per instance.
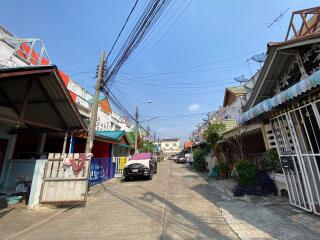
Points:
(49, 102)
(274, 64)
(131, 137)
(113, 135)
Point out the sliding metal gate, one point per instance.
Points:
(297, 134)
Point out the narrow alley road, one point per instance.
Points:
(168, 207)
(177, 204)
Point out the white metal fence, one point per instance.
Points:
(297, 134)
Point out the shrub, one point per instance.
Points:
(264, 186)
(273, 162)
(199, 160)
(247, 173)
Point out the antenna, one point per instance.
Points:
(247, 61)
(241, 79)
(259, 58)
(277, 19)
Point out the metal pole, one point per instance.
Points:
(136, 133)
(94, 109)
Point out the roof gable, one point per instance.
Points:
(231, 94)
(275, 67)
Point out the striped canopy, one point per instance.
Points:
(292, 92)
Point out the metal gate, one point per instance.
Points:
(297, 134)
(120, 162)
(101, 169)
(61, 184)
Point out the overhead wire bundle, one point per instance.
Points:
(146, 21)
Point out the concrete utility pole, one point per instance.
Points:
(137, 131)
(94, 109)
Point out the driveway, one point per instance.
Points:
(177, 204)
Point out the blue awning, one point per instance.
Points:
(292, 92)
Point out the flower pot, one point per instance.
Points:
(222, 174)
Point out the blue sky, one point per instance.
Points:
(183, 66)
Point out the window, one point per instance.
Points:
(167, 145)
(174, 145)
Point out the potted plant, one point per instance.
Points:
(223, 170)
(247, 173)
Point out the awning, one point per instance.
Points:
(112, 135)
(124, 145)
(292, 92)
(36, 97)
(118, 137)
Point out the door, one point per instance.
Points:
(297, 135)
(3, 150)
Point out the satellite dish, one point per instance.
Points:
(260, 58)
(149, 101)
(241, 79)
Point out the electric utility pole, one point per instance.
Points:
(94, 109)
(137, 131)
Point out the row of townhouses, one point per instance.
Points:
(43, 111)
(279, 108)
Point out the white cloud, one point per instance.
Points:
(194, 107)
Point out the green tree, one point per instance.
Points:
(214, 133)
(146, 146)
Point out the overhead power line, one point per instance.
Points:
(146, 21)
(124, 25)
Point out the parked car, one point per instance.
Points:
(181, 159)
(140, 165)
(174, 157)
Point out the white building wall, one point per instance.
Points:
(232, 111)
(170, 146)
(107, 121)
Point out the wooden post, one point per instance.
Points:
(264, 135)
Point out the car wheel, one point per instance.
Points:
(155, 169)
(150, 175)
(126, 179)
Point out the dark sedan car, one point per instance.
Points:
(140, 165)
(181, 159)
